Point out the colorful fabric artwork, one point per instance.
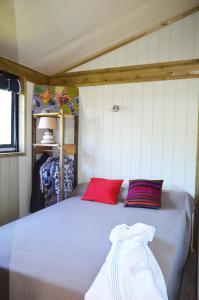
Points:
(50, 98)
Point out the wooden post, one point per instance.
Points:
(61, 130)
(34, 122)
(76, 152)
(197, 166)
(196, 212)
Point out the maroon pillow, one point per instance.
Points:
(102, 190)
(144, 193)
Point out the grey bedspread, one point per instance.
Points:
(56, 253)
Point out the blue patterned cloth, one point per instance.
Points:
(50, 179)
(68, 178)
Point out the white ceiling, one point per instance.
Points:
(49, 35)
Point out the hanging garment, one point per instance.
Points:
(37, 198)
(50, 179)
(44, 174)
(69, 177)
(46, 181)
(130, 271)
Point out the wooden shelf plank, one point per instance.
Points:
(46, 145)
(53, 115)
(67, 116)
(68, 149)
(39, 115)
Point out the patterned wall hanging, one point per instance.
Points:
(50, 98)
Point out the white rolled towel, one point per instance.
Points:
(130, 271)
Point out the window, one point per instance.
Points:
(8, 121)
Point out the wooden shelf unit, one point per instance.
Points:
(61, 148)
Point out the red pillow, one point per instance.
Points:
(102, 190)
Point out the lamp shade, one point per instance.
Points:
(47, 123)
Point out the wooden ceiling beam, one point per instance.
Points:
(23, 72)
(131, 38)
(140, 73)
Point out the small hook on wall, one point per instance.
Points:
(115, 108)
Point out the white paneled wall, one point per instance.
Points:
(8, 189)
(177, 41)
(25, 162)
(154, 135)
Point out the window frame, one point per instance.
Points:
(14, 146)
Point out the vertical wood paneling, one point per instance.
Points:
(176, 41)
(157, 134)
(111, 61)
(4, 189)
(116, 133)
(196, 35)
(142, 51)
(147, 130)
(106, 133)
(180, 132)
(153, 46)
(164, 49)
(82, 141)
(69, 131)
(14, 189)
(126, 130)
(168, 131)
(131, 55)
(152, 136)
(90, 130)
(8, 189)
(100, 128)
(191, 133)
(25, 162)
(121, 56)
(136, 131)
(188, 32)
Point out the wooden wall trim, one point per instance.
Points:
(131, 38)
(22, 71)
(140, 73)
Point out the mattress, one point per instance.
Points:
(56, 253)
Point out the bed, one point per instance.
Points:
(57, 252)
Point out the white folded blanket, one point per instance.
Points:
(130, 272)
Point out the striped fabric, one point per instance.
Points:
(144, 193)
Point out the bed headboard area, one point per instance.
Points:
(152, 136)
